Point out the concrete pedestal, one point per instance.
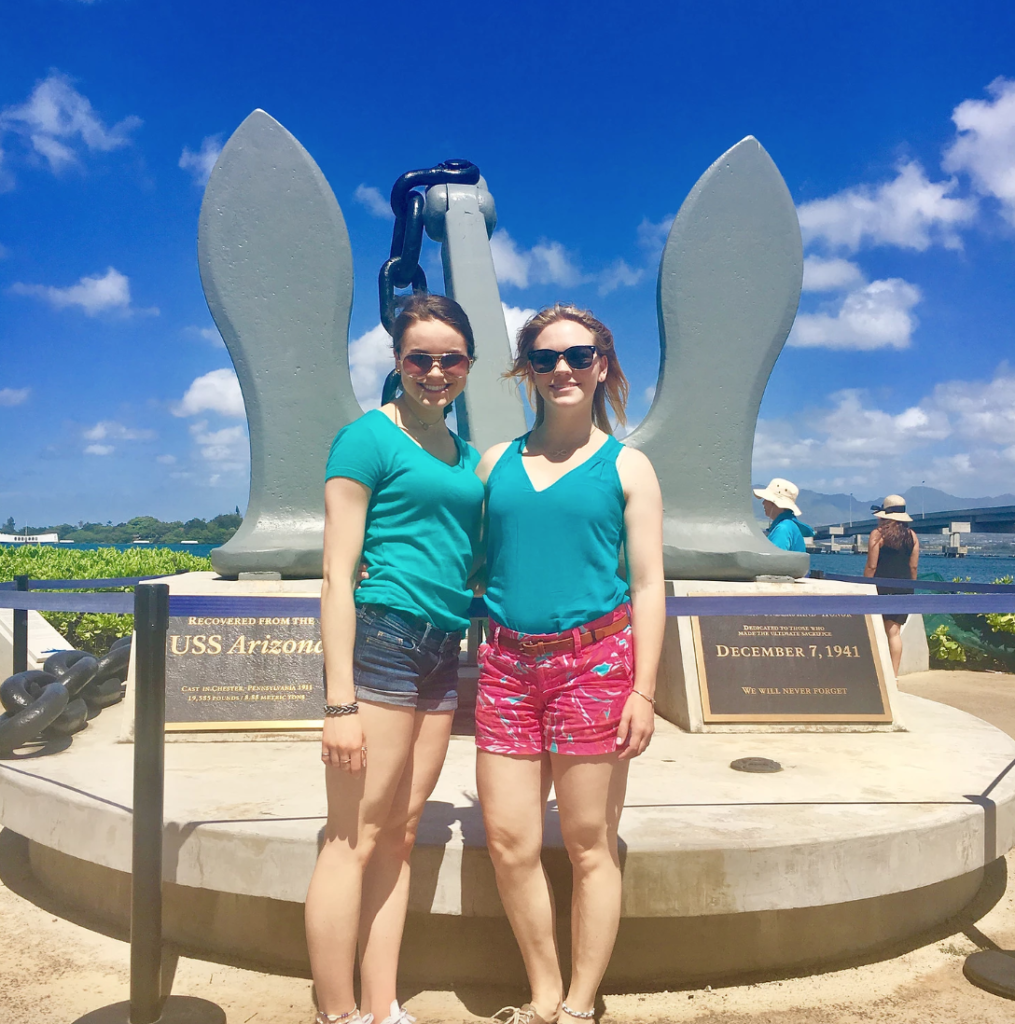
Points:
(863, 840)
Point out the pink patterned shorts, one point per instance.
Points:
(561, 702)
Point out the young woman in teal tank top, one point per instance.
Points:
(401, 495)
(568, 674)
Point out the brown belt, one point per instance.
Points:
(587, 637)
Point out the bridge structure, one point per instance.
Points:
(998, 519)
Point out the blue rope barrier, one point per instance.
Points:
(216, 606)
(938, 586)
(119, 581)
(841, 604)
(122, 604)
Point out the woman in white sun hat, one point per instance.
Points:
(893, 551)
(779, 501)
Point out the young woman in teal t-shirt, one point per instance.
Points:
(401, 496)
(568, 674)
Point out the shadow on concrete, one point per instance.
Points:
(16, 875)
(177, 1010)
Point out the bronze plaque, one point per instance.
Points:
(789, 668)
(232, 673)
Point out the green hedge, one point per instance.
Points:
(92, 631)
(985, 642)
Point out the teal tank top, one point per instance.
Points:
(553, 555)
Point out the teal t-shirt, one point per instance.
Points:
(787, 532)
(552, 556)
(423, 520)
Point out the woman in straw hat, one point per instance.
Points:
(893, 552)
(779, 501)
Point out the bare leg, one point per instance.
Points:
(894, 631)
(386, 880)
(590, 796)
(357, 809)
(513, 791)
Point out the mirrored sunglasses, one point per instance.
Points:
(578, 357)
(419, 364)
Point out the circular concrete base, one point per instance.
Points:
(862, 841)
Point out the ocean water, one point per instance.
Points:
(974, 568)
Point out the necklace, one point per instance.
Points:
(423, 425)
(559, 453)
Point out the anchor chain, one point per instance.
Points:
(402, 269)
(58, 700)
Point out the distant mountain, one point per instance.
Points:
(822, 509)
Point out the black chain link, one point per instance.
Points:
(402, 269)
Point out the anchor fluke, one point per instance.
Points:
(276, 266)
(729, 285)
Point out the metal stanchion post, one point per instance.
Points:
(151, 624)
(20, 630)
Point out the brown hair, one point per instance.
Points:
(613, 390)
(896, 535)
(432, 307)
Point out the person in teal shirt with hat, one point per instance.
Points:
(779, 501)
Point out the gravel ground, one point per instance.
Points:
(59, 967)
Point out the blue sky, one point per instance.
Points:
(893, 125)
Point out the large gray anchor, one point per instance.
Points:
(729, 285)
(276, 266)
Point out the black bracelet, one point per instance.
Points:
(333, 710)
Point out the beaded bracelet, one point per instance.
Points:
(333, 710)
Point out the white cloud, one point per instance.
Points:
(225, 446)
(201, 163)
(56, 123)
(371, 198)
(910, 211)
(108, 292)
(217, 391)
(110, 430)
(652, 235)
(876, 315)
(510, 263)
(545, 263)
(208, 334)
(166, 460)
(4, 251)
(514, 319)
(371, 359)
(981, 411)
(821, 275)
(14, 396)
(985, 146)
(960, 438)
(99, 449)
(618, 275)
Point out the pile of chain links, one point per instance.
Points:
(58, 700)
(402, 269)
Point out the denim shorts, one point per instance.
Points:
(404, 661)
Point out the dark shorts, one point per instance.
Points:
(404, 661)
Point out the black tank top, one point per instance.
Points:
(894, 563)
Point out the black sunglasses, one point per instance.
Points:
(578, 357)
(419, 364)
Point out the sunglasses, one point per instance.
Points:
(578, 357)
(419, 364)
